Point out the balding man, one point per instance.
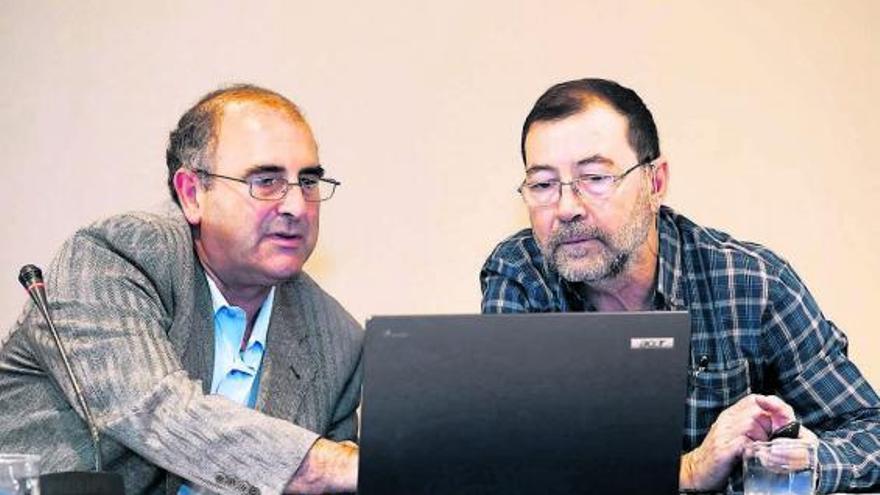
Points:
(203, 350)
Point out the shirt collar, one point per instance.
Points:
(670, 278)
(261, 324)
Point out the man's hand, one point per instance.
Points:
(751, 419)
(329, 467)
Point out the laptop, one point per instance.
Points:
(552, 403)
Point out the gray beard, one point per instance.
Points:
(616, 249)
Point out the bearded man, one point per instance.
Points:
(762, 353)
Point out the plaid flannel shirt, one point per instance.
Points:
(755, 329)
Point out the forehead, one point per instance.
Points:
(597, 131)
(251, 135)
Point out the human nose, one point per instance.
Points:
(293, 203)
(570, 206)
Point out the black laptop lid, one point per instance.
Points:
(535, 403)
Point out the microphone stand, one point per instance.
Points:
(97, 482)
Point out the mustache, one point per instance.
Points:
(287, 227)
(569, 232)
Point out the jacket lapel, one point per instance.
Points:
(289, 364)
(197, 336)
(193, 334)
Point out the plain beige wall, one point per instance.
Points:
(767, 112)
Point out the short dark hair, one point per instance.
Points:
(571, 97)
(192, 143)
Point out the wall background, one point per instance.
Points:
(767, 112)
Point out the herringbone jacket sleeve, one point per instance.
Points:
(118, 292)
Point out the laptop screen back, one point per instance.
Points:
(535, 403)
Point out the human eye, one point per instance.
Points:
(595, 178)
(308, 182)
(541, 185)
(263, 181)
(595, 184)
(267, 183)
(541, 182)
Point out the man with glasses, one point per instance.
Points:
(208, 358)
(762, 354)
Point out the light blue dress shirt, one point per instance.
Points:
(236, 372)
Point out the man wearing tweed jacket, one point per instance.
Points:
(203, 350)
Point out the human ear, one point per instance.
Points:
(186, 185)
(659, 183)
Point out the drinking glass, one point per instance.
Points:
(780, 467)
(19, 474)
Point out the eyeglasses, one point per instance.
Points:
(273, 188)
(548, 192)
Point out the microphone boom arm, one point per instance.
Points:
(31, 277)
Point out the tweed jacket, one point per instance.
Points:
(132, 306)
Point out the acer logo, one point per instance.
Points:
(652, 343)
(395, 335)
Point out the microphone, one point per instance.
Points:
(86, 483)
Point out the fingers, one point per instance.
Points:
(784, 455)
(751, 419)
(779, 412)
(755, 429)
(747, 418)
(808, 436)
(773, 404)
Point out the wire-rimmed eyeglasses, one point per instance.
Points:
(273, 188)
(546, 192)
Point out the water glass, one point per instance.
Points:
(19, 474)
(780, 467)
